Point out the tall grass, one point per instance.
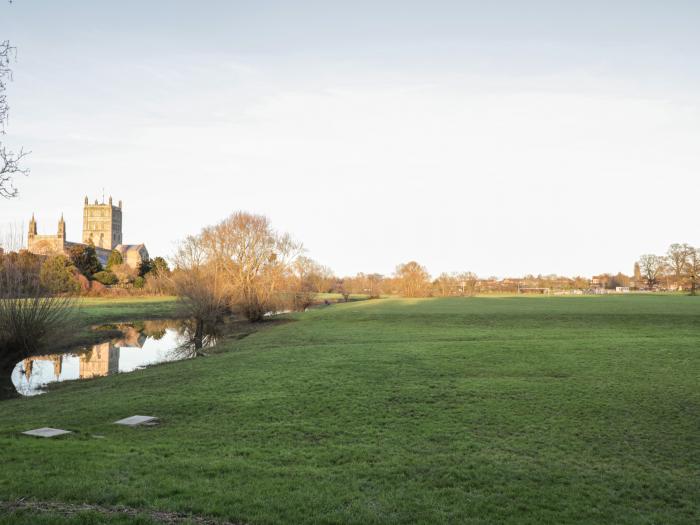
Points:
(30, 317)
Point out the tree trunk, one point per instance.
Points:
(198, 335)
(7, 388)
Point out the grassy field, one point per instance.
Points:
(482, 410)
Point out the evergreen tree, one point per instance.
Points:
(58, 275)
(159, 267)
(84, 257)
(145, 267)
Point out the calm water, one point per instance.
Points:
(142, 344)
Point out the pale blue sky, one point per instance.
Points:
(498, 137)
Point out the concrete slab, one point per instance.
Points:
(134, 421)
(46, 432)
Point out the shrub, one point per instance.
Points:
(97, 288)
(159, 284)
(105, 277)
(115, 258)
(24, 268)
(139, 282)
(83, 281)
(125, 273)
(57, 276)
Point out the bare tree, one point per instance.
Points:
(462, 284)
(247, 260)
(413, 280)
(445, 285)
(652, 267)
(374, 283)
(369, 284)
(303, 274)
(467, 283)
(200, 287)
(677, 257)
(322, 278)
(10, 162)
(11, 238)
(693, 270)
(345, 287)
(255, 259)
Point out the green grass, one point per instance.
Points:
(98, 311)
(483, 410)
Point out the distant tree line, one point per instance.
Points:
(678, 269)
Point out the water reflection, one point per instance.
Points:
(140, 345)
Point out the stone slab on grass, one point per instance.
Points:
(134, 421)
(46, 432)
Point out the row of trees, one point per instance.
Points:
(242, 265)
(679, 268)
(409, 280)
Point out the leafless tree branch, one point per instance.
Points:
(10, 165)
(7, 53)
(9, 168)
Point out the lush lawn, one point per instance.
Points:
(95, 311)
(102, 310)
(484, 410)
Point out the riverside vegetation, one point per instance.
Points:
(455, 410)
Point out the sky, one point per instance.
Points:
(503, 138)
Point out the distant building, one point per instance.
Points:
(133, 254)
(598, 282)
(102, 227)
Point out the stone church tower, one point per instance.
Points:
(102, 224)
(47, 244)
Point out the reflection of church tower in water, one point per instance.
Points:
(102, 360)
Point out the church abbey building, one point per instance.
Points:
(102, 227)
